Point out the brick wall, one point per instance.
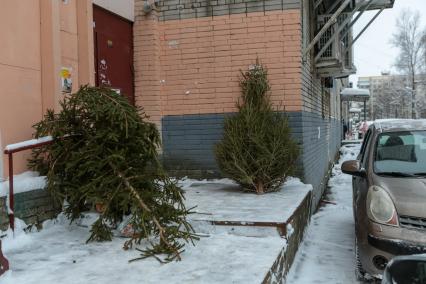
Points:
(184, 9)
(147, 64)
(187, 69)
(188, 58)
(321, 125)
(192, 66)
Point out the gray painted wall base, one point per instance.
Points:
(184, 9)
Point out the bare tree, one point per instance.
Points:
(409, 39)
(390, 98)
(424, 51)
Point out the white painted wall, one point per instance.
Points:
(124, 8)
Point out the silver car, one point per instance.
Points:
(389, 194)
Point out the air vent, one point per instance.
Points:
(412, 222)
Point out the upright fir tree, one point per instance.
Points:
(105, 152)
(257, 150)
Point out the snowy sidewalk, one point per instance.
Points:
(326, 254)
(242, 253)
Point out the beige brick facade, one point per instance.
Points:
(192, 66)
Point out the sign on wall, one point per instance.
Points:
(66, 80)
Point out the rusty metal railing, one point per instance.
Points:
(10, 150)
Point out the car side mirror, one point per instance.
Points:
(352, 168)
(405, 269)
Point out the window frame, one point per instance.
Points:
(363, 151)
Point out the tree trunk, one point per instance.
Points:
(413, 96)
(259, 188)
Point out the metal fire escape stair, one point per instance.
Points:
(332, 45)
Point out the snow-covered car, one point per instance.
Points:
(389, 194)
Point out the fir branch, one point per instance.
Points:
(147, 209)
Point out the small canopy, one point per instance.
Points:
(355, 95)
(376, 4)
(364, 4)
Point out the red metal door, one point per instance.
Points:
(113, 38)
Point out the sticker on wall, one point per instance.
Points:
(66, 80)
(103, 64)
(103, 77)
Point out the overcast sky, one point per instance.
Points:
(373, 52)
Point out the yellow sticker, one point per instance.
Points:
(65, 73)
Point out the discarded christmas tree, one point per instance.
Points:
(104, 152)
(257, 150)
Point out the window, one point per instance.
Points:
(325, 103)
(401, 152)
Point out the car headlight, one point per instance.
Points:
(380, 207)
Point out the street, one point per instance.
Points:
(327, 253)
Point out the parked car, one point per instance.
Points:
(389, 194)
(406, 270)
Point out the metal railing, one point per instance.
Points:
(10, 150)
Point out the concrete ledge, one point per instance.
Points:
(296, 226)
(285, 213)
(33, 207)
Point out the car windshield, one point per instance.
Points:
(401, 153)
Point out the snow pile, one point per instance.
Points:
(24, 182)
(223, 200)
(15, 241)
(326, 255)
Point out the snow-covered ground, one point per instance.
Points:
(327, 253)
(24, 182)
(223, 200)
(59, 254)
(225, 254)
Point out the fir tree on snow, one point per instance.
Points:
(104, 152)
(257, 150)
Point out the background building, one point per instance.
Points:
(391, 98)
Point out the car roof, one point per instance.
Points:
(388, 125)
